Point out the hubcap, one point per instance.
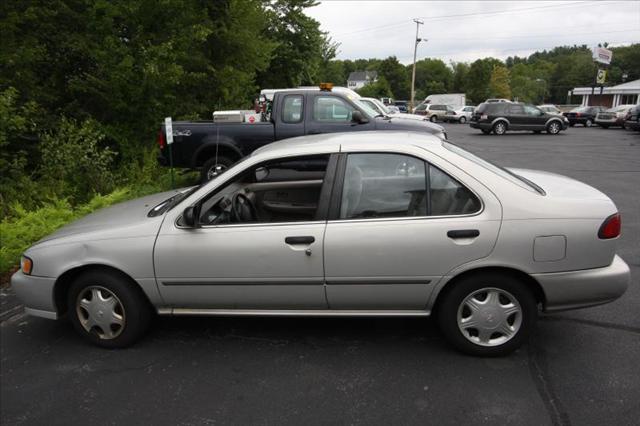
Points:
(500, 128)
(489, 317)
(555, 128)
(215, 170)
(100, 312)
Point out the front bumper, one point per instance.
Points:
(36, 294)
(588, 287)
(633, 125)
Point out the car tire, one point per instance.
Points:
(500, 128)
(463, 120)
(506, 312)
(433, 118)
(554, 128)
(588, 123)
(108, 309)
(214, 167)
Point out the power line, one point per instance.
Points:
(463, 15)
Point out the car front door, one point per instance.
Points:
(535, 119)
(273, 261)
(397, 225)
(331, 114)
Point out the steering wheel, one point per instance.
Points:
(242, 209)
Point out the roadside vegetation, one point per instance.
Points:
(85, 85)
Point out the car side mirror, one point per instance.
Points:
(358, 117)
(190, 217)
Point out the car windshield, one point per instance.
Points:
(421, 107)
(369, 111)
(500, 171)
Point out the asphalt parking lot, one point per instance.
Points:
(580, 367)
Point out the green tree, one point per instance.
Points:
(378, 89)
(432, 76)
(499, 85)
(299, 42)
(478, 79)
(460, 75)
(396, 74)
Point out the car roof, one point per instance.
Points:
(351, 141)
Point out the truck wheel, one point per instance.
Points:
(214, 167)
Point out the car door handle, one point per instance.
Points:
(463, 233)
(299, 240)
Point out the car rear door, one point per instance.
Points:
(516, 116)
(389, 240)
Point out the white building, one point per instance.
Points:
(622, 94)
(359, 79)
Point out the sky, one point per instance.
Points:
(463, 31)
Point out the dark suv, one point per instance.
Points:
(502, 116)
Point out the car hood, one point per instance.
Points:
(560, 186)
(114, 217)
(408, 123)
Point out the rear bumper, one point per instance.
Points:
(481, 125)
(588, 287)
(36, 294)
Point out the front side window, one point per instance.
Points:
(331, 109)
(285, 190)
(393, 185)
(292, 109)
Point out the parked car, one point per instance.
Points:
(402, 106)
(613, 117)
(364, 224)
(632, 120)
(387, 101)
(433, 112)
(214, 147)
(585, 115)
(460, 115)
(501, 117)
(496, 100)
(551, 109)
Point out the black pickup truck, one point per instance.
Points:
(213, 147)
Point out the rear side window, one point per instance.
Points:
(516, 109)
(292, 109)
(393, 185)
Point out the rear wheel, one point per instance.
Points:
(463, 119)
(214, 167)
(588, 123)
(433, 118)
(487, 315)
(107, 309)
(500, 128)
(553, 128)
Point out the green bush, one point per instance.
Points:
(25, 227)
(74, 163)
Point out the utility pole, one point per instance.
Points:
(413, 76)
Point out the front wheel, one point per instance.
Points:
(554, 128)
(107, 309)
(214, 167)
(433, 118)
(463, 120)
(588, 123)
(487, 315)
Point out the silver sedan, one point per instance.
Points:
(357, 224)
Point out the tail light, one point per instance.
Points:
(578, 114)
(161, 141)
(610, 228)
(484, 117)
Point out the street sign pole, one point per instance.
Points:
(168, 125)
